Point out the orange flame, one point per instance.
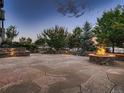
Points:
(101, 51)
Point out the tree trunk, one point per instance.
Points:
(113, 47)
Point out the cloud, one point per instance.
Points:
(77, 8)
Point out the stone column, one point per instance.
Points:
(2, 18)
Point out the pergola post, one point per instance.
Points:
(2, 18)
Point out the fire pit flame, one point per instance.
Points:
(101, 51)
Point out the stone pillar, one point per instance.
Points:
(2, 18)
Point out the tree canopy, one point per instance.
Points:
(11, 33)
(86, 37)
(55, 37)
(74, 38)
(110, 27)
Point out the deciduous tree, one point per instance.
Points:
(110, 28)
(11, 33)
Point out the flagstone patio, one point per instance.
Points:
(59, 74)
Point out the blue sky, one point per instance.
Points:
(32, 16)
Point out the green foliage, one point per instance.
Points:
(24, 40)
(29, 40)
(11, 33)
(74, 38)
(40, 40)
(27, 43)
(55, 38)
(31, 47)
(86, 38)
(110, 27)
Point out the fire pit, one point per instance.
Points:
(101, 56)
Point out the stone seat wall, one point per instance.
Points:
(13, 52)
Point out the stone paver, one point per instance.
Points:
(59, 74)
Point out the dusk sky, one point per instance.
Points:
(32, 16)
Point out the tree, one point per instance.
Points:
(24, 40)
(109, 29)
(29, 40)
(74, 38)
(27, 43)
(40, 40)
(55, 38)
(11, 33)
(119, 25)
(86, 37)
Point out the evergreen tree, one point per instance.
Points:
(86, 38)
(74, 38)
